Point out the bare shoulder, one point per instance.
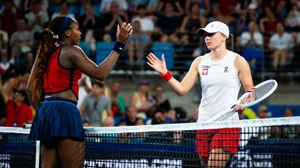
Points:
(72, 52)
(196, 62)
(240, 62)
(72, 48)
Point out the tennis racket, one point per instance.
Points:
(261, 92)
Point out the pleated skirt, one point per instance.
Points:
(57, 117)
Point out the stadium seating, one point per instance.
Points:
(72, 9)
(85, 47)
(167, 49)
(103, 49)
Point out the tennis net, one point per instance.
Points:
(263, 143)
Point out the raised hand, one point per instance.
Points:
(156, 64)
(124, 32)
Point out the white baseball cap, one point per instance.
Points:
(214, 27)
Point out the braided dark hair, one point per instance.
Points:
(47, 46)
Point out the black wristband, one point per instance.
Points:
(118, 47)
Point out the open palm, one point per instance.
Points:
(157, 64)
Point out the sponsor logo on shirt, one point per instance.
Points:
(204, 71)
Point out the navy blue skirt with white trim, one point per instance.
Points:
(57, 117)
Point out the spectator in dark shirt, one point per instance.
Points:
(114, 18)
(168, 32)
(90, 27)
(131, 117)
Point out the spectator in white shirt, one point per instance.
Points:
(251, 43)
(281, 43)
(105, 5)
(36, 19)
(147, 24)
(63, 10)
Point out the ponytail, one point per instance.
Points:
(46, 48)
(48, 45)
(229, 42)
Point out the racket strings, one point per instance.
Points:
(263, 90)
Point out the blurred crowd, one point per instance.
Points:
(266, 32)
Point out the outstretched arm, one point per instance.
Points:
(180, 88)
(101, 71)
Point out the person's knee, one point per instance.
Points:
(218, 157)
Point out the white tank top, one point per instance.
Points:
(220, 85)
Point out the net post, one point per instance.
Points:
(37, 154)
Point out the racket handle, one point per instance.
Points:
(233, 106)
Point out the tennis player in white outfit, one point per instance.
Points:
(221, 73)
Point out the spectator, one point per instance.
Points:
(217, 15)
(267, 24)
(37, 19)
(277, 133)
(113, 18)
(151, 6)
(178, 9)
(251, 42)
(262, 112)
(147, 25)
(94, 105)
(204, 6)
(106, 89)
(17, 112)
(168, 32)
(188, 28)
(249, 14)
(264, 132)
(142, 98)
(289, 130)
(292, 21)
(9, 16)
(18, 81)
(281, 10)
(108, 122)
(161, 102)
(107, 6)
(3, 38)
(89, 21)
(137, 44)
(2, 104)
(131, 117)
(289, 112)
(296, 59)
(63, 10)
(109, 137)
(281, 43)
(21, 42)
(166, 136)
(118, 102)
(194, 118)
(85, 87)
